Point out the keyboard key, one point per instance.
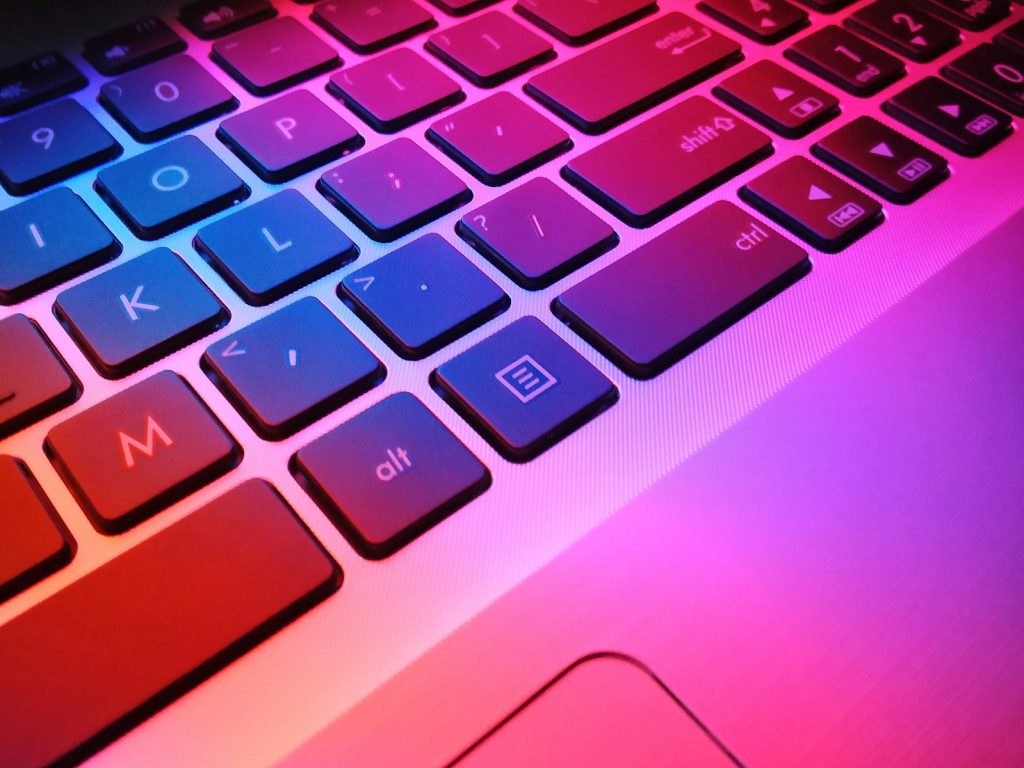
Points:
(422, 296)
(390, 474)
(846, 60)
(169, 187)
(165, 98)
(657, 167)
(393, 190)
(524, 389)
(577, 22)
(273, 247)
(610, 83)
(34, 380)
(182, 604)
(51, 144)
(536, 233)
(901, 27)
(778, 99)
(273, 56)
(953, 118)
(139, 451)
(489, 49)
(366, 26)
(819, 207)
(48, 239)
(134, 314)
(1012, 37)
(976, 15)
(395, 90)
(657, 304)
(462, 7)
(292, 367)
(36, 543)
(760, 20)
(827, 6)
(131, 46)
(994, 73)
(499, 139)
(32, 82)
(884, 161)
(212, 18)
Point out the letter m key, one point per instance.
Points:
(129, 444)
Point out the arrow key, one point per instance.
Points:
(765, 21)
(904, 28)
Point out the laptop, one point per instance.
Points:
(511, 383)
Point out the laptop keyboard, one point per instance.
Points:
(583, 86)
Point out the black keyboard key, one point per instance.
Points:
(51, 144)
(827, 6)
(778, 99)
(976, 15)
(536, 233)
(993, 72)
(366, 26)
(165, 98)
(131, 46)
(818, 206)
(286, 137)
(48, 239)
(766, 21)
(390, 474)
(846, 60)
(490, 49)
(272, 247)
(657, 304)
(292, 367)
(1012, 37)
(138, 312)
(32, 82)
(212, 18)
(657, 167)
(394, 189)
(36, 543)
(577, 22)
(610, 83)
(524, 389)
(884, 161)
(184, 603)
(499, 138)
(395, 90)
(422, 296)
(462, 7)
(952, 117)
(274, 55)
(169, 187)
(34, 381)
(901, 27)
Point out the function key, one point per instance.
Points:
(48, 239)
(134, 314)
(846, 60)
(462, 7)
(274, 55)
(367, 26)
(537, 233)
(778, 99)
(489, 49)
(390, 474)
(766, 21)
(423, 296)
(34, 381)
(165, 98)
(1012, 37)
(955, 119)
(884, 161)
(32, 82)
(901, 27)
(212, 18)
(577, 22)
(292, 367)
(524, 389)
(50, 144)
(169, 187)
(976, 15)
(131, 46)
(821, 208)
(994, 73)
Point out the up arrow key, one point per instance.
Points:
(882, 150)
(132, 304)
(817, 193)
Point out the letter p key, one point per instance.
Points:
(286, 125)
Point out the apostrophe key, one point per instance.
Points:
(40, 79)
(901, 27)
(579, 21)
(846, 60)
(131, 46)
(993, 72)
(367, 26)
(760, 20)
(212, 18)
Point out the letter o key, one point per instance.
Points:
(166, 91)
(169, 178)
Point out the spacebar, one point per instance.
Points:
(110, 649)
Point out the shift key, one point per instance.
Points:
(657, 304)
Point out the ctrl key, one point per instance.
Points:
(389, 474)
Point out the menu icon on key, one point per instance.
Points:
(526, 378)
